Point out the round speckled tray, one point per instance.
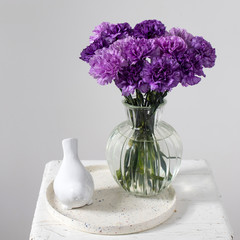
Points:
(114, 211)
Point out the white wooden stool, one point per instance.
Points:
(199, 213)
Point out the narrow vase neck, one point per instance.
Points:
(70, 148)
(144, 118)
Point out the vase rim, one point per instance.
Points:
(141, 107)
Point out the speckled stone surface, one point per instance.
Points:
(113, 211)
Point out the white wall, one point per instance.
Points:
(46, 94)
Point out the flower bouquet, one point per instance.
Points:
(145, 62)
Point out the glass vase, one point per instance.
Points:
(144, 153)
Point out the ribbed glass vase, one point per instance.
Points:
(144, 153)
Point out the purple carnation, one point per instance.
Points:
(191, 68)
(129, 78)
(182, 33)
(134, 50)
(99, 30)
(116, 32)
(200, 54)
(105, 65)
(189, 71)
(162, 74)
(149, 29)
(89, 51)
(106, 35)
(147, 58)
(171, 44)
(202, 51)
(139, 49)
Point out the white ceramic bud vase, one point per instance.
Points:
(73, 185)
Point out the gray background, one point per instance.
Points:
(46, 94)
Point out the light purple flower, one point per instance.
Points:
(171, 44)
(105, 65)
(106, 34)
(134, 50)
(98, 30)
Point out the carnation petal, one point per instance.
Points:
(187, 37)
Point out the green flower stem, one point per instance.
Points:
(141, 158)
(144, 163)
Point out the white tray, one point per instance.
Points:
(114, 211)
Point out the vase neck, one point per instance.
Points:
(144, 118)
(70, 148)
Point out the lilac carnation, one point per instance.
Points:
(134, 50)
(162, 74)
(139, 49)
(99, 30)
(105, 65)
(171, 44)
(149, 29)
(182, 33)
(106, 35)
(129, 78)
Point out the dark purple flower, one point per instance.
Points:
(89, 51)
(162, 74)
(149, 29)
(105, 65)
(200, 54)
(202, 51)
(190, 71)
(116, 32)
(171, 44)
(129, 79)
(191, 68)
(182, 33)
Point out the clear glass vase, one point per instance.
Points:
(144, 153)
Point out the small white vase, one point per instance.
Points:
(73, 185)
